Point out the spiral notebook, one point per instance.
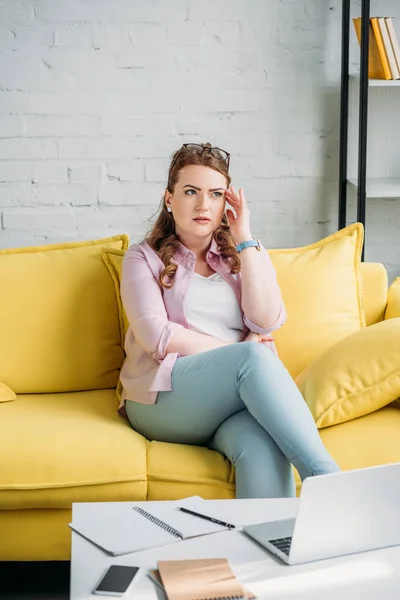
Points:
(130, 528)
(200, 579)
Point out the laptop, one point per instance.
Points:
(338, 514)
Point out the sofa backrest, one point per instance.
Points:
(59, 322)
(375, 286)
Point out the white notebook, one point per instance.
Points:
(130, 528)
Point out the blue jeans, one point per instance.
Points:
(241, 401)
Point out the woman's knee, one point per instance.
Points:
(241, 437)
(257, 356)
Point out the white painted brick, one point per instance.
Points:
(123, 194)
(12, 15)
(14, 194)
(49, 172)
(7, 40)
(117, 219)
(15, 238)
(63, 194)
(134, 103)
(104, 12)
(46, 103)
(252, 11)
(224, 33)
(22, 77)
(143, 125)
(186, 34)
(110, 37)
(262, 35)
(47, 126)
(157, 171)
(119, 80)
(18, 148)
(154, 147)
(97, 148)
(15, 171)
(127, 171)
(76, 37)
(184, 77)
(86, 174)
(59, 12)
(40, 220)
(145, 35)
(32, 39)
(11, 126)
(78, 60)
(155, 11)
(141, 57)
(224, 57)
(215, 124)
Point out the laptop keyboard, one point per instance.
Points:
(283, 544)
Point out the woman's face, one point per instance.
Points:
(198, 202)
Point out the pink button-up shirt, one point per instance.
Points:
(155, 314)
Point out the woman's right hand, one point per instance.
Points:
(258, 338)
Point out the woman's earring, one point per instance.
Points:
(169, 209)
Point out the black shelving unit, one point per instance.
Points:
(363, 114)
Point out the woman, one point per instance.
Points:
(202, 299)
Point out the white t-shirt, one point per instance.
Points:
(211, 307)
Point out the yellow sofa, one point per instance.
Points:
(61, 439)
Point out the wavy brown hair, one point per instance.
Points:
(162, 237)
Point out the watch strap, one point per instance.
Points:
(248, 244)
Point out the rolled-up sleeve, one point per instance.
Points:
(270, 274)
(144, 305)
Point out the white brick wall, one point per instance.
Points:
(96, 95)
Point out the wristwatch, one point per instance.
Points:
(249, 244)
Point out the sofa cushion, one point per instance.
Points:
(64, 448)
(365, 442)
(393, 305)
(322, 290)
(6, 395)
(176, 470)
(59, 318)
(375, 291)
(357, 376)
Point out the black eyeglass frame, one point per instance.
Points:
(209, 148)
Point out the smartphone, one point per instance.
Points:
(116, 580)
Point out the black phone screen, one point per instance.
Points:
(117, 579)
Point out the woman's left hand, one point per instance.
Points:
(239, 225)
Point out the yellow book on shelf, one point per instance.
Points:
(381, 47)
(375, 69)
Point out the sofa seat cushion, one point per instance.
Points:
(175, 471)
(64, 448)
(367, 441)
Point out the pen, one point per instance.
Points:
(196, 514)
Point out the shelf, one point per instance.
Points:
(378, 82)
(379, 188)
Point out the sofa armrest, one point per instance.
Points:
(393, 305)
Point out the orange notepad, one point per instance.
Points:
(203, 579)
